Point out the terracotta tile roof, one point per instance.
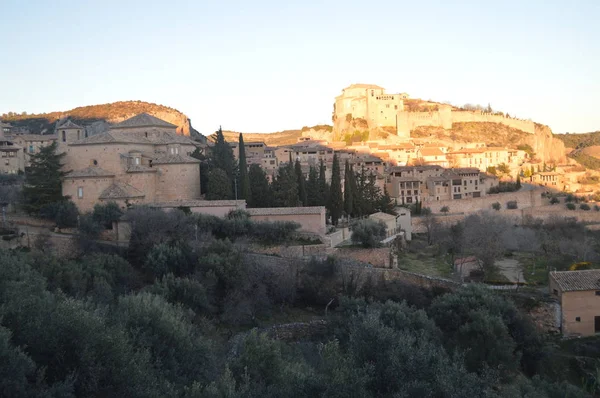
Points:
(175, 159)
(577, 280)
(361, 85)
(115, 136)
(468, 150)
(138, 168)
(120, 190)
(382, 216)
(143, 120)
(34, 137)
(266, 211)
(89, 172)
(466, 170)
(431, 152)
(69, 125)
(112, 137)
(170, 138)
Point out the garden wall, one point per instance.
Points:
(524, 199)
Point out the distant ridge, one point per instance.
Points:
(98, 117)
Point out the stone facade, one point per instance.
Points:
(140, 160)
(579, 296)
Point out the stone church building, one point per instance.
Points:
(140, 160)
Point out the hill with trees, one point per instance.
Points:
(98, 116)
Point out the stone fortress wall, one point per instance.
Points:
(369, 102)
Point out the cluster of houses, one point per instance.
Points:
(410, 171)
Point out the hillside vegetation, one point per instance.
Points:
(285, 137)
(495, 134)
(585, 148)
(578, 141)
(109, 113)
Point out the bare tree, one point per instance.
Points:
(483, 237)
(433, 228)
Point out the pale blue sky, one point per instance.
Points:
(263, 66)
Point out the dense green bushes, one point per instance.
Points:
(369, 233)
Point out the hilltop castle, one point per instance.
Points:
(368, 106)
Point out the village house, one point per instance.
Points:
(11, 157)
(432, 156)
(407, 184)
(549, 179)
(31, 144)
(5, 128)
(140, 160)
(370, 163)
(579, 295)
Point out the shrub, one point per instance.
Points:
(584, 206)
(368, 232)
(274, 231)
(66, 215)
(570, 198)
(571, 206)
(165, 258)
(105, 214)
(554, 200)
(512, 204)
(496, 206)
(504, 187)
(425, 211)
(445, 209)
(596, 207)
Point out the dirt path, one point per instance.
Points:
(511, 269)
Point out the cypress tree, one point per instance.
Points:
(43, 179)
(312, 187)
(336, 200)
(285, 187)
(348, 194)
(301, 183)
(222, 157)
(518, 182)
(244, 185)
(260, 194)
(322, 185)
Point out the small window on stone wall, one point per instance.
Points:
(578, 319)
(94, 162)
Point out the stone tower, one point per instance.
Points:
(69, 132)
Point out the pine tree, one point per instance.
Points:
(244, 184)
(372, 194)
(301, 183)
(322, 185)
(386, 204)
(219, 186)
(312, 187)
(336, 200)
(260, 194)
(43, 179)
(348, 194)
(222, 157)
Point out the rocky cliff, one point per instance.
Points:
(97, 118)
(548, 148)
